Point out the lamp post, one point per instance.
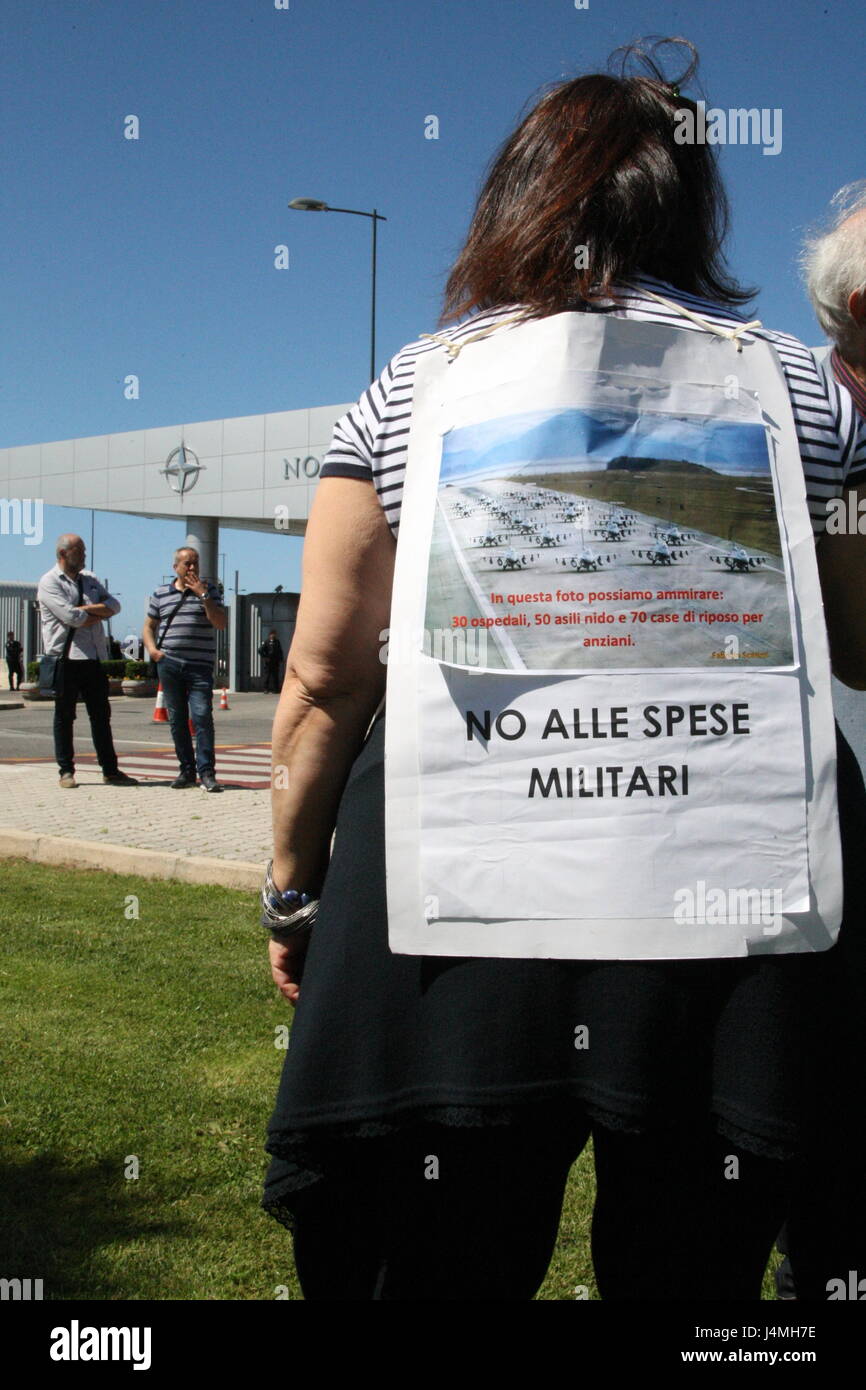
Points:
(315, 205)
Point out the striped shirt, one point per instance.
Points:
(191, 636)
(370, 441)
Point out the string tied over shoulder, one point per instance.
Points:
(732, 334)
(454, 349)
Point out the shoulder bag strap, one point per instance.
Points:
(71, 633)
(171, 617)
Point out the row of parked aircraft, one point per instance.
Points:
(515, 532)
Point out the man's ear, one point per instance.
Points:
(857, 306)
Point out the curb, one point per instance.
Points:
(122, 859)
(11, 704)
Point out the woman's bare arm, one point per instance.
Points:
(334, 677)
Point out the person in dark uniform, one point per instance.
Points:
(271, 652)
(13, 659)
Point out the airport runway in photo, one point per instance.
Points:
(514, 558)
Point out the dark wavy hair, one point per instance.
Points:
(595, 164)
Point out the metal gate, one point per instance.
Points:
(254, 616)
(19, 613)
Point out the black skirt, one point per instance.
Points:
(380, 1041)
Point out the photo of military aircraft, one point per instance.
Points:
(582, 490)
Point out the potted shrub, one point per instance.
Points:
(29, 689)
(115, 671)
(137, 680)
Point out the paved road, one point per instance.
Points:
(26, 733)
(149, 829)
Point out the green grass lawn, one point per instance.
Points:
(153, 1040)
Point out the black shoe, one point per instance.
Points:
(209, 783)
(186, 779)
(119, 779)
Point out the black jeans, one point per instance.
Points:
(14, 673)
(272, 677)
(87, 679)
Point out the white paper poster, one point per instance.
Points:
(609, 731)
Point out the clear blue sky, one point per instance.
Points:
(156, 256)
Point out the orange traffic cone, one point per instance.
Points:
(160, 713)
(224, 699)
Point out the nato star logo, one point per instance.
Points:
(182, 469)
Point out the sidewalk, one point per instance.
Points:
(150, 830)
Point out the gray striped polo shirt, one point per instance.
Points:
(191, 636)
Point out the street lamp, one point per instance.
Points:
(315, 205)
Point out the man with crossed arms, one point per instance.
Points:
(73, 604)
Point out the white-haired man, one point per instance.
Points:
(834, 263)
(834, 268)
(825, 1235)
(73, 605)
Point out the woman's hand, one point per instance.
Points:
(287, 965)
(335, 679)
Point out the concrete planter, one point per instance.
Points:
(139, 688)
